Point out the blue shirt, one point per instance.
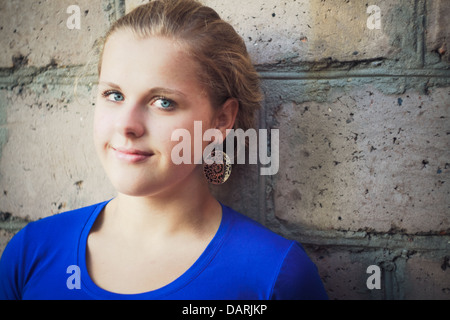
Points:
(244, 260)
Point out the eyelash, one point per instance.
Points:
(107, 93)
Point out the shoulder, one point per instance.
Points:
(298, 278)
(63, 223)
(52, 230)
(52, 238)
(271, 256)
(253, 233)
(254, 245)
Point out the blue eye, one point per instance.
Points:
(117, 97)
(164, 103)
(114, 96)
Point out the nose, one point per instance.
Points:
(131, 120)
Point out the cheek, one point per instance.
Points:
(161, 136)
(182, 131)
(102, 126)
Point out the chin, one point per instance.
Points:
(148, 183)
(135, 191)
(131, 185)
(140, 186)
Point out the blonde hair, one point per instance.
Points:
(226, 68)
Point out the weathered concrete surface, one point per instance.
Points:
(437, 33)
(426, 277)
(404, 274)
(35, 33)
(299, 31)
(362, 113)
(57, 169)
(365, 161)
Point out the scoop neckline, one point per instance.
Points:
(187, 277)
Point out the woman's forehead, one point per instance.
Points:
(123, 50)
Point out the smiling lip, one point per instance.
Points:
(132, 155)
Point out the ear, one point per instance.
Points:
(226, 116)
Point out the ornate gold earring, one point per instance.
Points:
(219, 170)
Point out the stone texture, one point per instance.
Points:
(343, 277)
(35, 33)
(410, 276)
(45, 168)
(298, 31)
(365, 161)
(427, 277)
(437, 33)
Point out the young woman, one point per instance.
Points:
(164, 66)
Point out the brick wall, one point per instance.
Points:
(361, 97)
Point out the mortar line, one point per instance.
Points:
(392, 242)
(324, 75)
(28, 75)
(420, 11)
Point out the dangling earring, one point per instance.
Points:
(219, 170)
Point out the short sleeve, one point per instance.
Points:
(298, 278)
(9, 268)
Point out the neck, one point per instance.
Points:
(187, 207)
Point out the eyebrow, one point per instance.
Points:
(152, 91)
